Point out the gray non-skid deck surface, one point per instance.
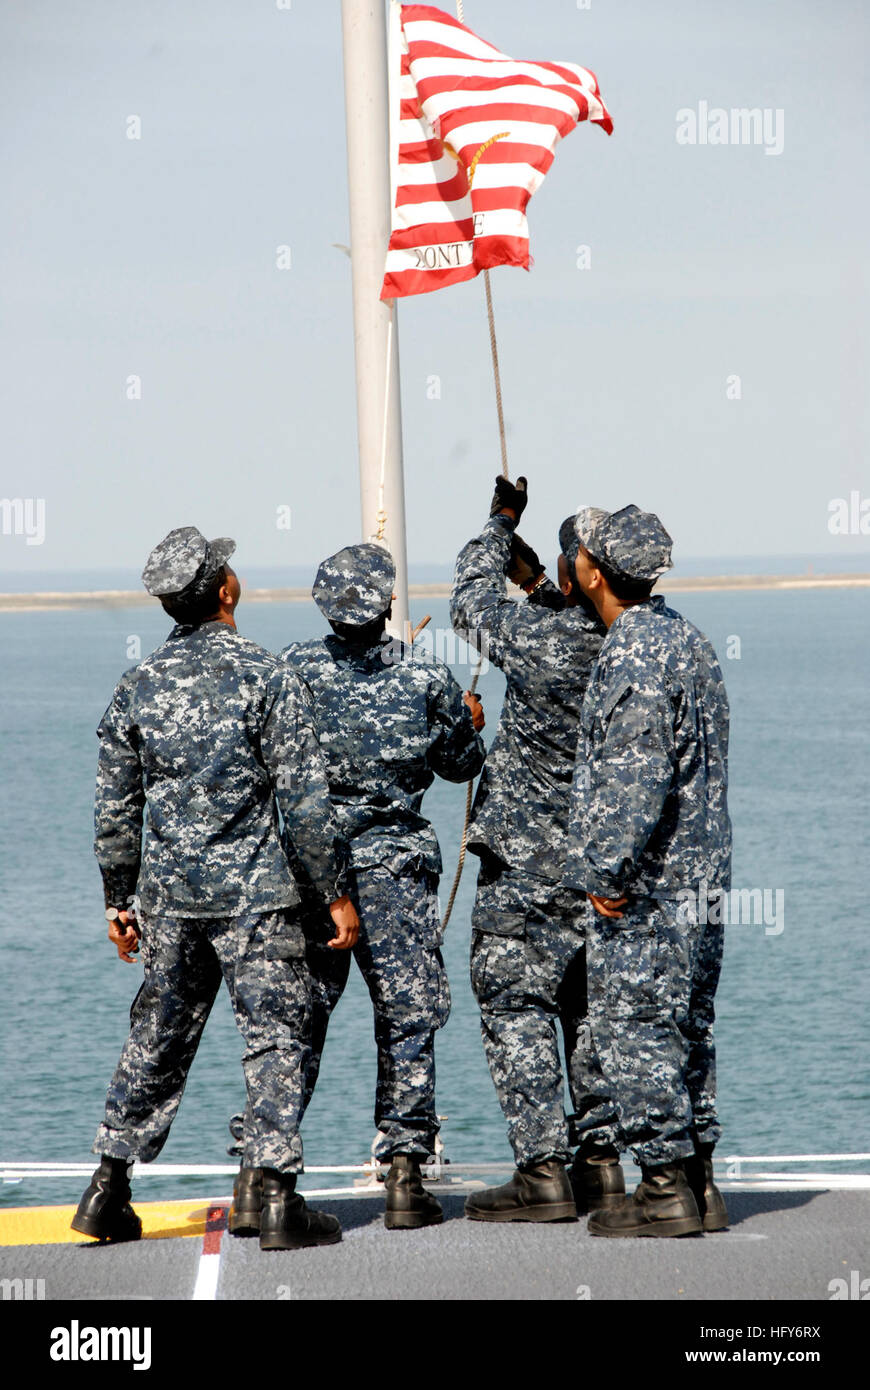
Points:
(148, 1269)
(781, 1245)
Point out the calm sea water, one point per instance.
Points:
(793, 1019)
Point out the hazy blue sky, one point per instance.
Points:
(157, 257)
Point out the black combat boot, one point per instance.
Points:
(597, 1180)
(286, 1223)
(104, 1211)
(711, 1203)
(662, 1205)
(538, 1191)
(244, 1214)
(409, 1205)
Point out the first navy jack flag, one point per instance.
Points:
(473, 136)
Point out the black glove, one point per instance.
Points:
(237, 1130)
(548, 597)
(523, 567)
(511, 495)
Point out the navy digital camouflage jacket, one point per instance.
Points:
(388, 722)
(650, 807)
(201, 740)
(546, 652)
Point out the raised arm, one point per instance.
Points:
(505, 632)
(526, 570)
(502, 630)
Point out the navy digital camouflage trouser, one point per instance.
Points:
(398, 953)
(652, 976)
(528, 969)
(261, 958)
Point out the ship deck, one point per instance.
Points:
(790, 1237)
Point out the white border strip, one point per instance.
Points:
(205, 1288)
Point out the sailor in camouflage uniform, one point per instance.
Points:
(388, 722)
(528, 966)
(209, 735)
(650, 843)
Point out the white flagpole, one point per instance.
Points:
(379, 414)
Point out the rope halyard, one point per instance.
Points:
(493, 347)
(463, 846)
(380, 514)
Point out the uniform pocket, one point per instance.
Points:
(284, 940)
(614, 697)
(486, 918)
(433, 936)
(498, 969)
(649, 959)
(676, 961)
(631, 970)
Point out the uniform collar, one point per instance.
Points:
(339, 646)
(656, 604)
(214, 625)
(387, 653)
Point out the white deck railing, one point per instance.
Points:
(734, 1172)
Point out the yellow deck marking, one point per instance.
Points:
(50, 1225)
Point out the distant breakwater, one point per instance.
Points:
(134, 598)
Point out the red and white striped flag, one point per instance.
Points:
(476, 136)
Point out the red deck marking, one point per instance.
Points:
(215, 1225)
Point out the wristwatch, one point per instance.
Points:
(541, 579)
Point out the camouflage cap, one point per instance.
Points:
(632, 543)
(184, 564)
(356, 584)
(569, 540)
